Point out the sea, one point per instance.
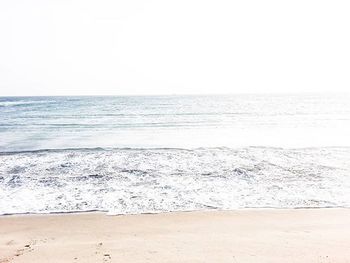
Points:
(151, 154)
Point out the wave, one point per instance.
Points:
(167, 148)
(149, 180)
(16, 103)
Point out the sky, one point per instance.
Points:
(142, 47)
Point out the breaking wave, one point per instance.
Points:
(137, 180)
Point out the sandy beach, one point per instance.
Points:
(302, 235)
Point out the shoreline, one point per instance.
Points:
(106, 213)
(242, 235)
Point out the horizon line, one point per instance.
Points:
(179, 94)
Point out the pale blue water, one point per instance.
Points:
(167, 153)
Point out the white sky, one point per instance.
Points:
(173, 47)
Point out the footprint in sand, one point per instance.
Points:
(98, 248)
(19, 252)
(107, 258)
(27, 248)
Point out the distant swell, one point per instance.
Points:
(116, 149)
(26, 103)
(136, 180)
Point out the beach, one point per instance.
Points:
(174, 131)
(266, 177)
(249, 235)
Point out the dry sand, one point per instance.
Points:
(305, 235)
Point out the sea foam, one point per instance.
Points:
(123, 181)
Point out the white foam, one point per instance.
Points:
(123, 181)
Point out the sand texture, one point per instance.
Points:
(302, 235)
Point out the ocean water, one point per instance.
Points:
(174, 153)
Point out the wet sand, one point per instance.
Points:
(267, 235)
